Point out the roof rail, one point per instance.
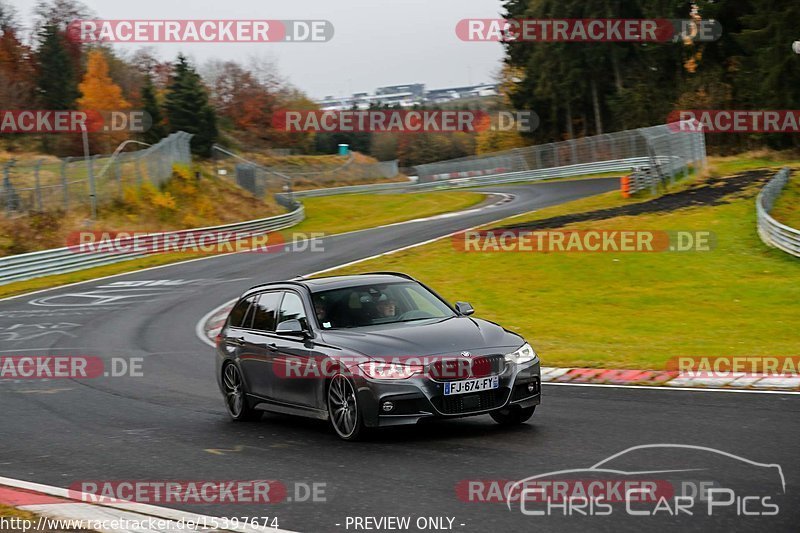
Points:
(387, 273)
(277, 282)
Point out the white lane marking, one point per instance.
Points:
(507, 196)
(103, 510)
(199, 329)
(662, 388)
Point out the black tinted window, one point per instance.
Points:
(239, 311)
(265, 311)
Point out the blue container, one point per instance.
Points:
(344, 149)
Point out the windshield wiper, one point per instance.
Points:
(425, 318)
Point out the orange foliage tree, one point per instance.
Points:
(100, 93)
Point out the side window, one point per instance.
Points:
(292, 308)
(239, 312)
(265, 311)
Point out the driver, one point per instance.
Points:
(386, 307)
(319, 309)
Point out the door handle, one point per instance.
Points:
(236, 341)
(272, 346)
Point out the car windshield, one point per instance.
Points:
(372, 304)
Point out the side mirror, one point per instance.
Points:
(464, 308)
(291, 327)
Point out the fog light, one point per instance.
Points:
(531, 387)
(387, 407)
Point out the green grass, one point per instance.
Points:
(633, 310)
(335, 214)
(6, 511)
(787, 206)
(724, 166)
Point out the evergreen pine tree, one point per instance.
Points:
(187, 107)
(150, 105)
(56, 84)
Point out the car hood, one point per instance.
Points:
(426, 338)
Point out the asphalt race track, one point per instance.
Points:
(170, 423)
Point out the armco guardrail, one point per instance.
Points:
(63, 260)
(347, 189)
(619, 165)
(772, 232)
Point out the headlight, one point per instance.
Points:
(380, 370)
(523, 355)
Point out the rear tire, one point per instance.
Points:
(236, 395)
(512, 416)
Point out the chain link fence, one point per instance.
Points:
(258, 179)
(669, 152)
(78, 182)
(262, 179)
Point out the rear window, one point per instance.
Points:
(239, 312)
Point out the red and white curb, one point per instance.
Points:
(668, 378)
(67, 506)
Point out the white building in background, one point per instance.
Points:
(407, 95)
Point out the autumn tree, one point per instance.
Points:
(98, 90)
(240, 100)
(16, 66)
(100, 93)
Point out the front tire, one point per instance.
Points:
(513, 416)
(343, 412)
(236, 396)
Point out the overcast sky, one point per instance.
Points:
(376, 42)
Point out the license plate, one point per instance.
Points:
(471, 385)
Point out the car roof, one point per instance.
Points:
(325, 283)
(338, 282)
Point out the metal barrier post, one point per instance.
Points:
(36, 166)
(8, 190)
(90, 170)
(64, 185)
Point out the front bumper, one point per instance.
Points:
(421, 397)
